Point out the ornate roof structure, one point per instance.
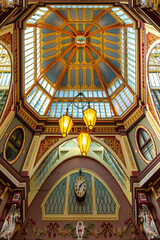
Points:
(80, 48)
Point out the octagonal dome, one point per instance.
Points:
(79, 48)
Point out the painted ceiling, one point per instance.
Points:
(79, 48)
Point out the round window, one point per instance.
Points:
(14, 145)
(145, 144)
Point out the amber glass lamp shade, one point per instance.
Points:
(84, 141)
(65, 124)
(90, 117)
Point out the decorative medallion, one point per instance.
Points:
(115, 146)
(45, 145)
(7, 39)
(151, 38)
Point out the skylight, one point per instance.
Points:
(5, 75)
(64, 55)
(154, 75)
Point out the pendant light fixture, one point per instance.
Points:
(65, 124)
(89, 117)
(84, 142)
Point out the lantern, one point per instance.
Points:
(84, 141)
(89, 117)
(65, 123)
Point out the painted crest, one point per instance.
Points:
(80, 230)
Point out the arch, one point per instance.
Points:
(64, 212)
(6, 77)
(62, 153)
(70, 137)
(147, 78)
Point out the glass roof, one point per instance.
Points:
(154, 75)
(5, 75)
(73, 48)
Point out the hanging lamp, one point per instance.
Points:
(84, 141)
(90, 117)
(65, 124)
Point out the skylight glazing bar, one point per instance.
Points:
(38, 47)
(131, 53)
(29, 65)
(117, 107)
(31, 95)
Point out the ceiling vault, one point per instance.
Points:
(60, 78)
(77, 49)
(112, 26)
(96, 19)
(101, 79)
(49, 67)
(48, 26)
(112, 67)
(63, 19)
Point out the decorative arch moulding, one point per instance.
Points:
(66, 184)
(9, 107)
(55, 156)
(151, 108)
(153, 82)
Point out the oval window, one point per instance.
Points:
(14, 144)
(145, 144)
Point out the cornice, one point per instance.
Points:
(151, 171)
(12, 176)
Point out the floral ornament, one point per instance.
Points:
(45, 145)
(90, 230)
(71, 230)
(107, 230)
(115, 145)
(53, 229)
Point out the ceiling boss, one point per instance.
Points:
(80, 41)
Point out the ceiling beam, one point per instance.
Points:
(60, 79)
(54, 62)
(114, 69)
(101, 80)
(63, 19)
(96, 19)
(48, 26)
(113, 26)
(49, 67)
